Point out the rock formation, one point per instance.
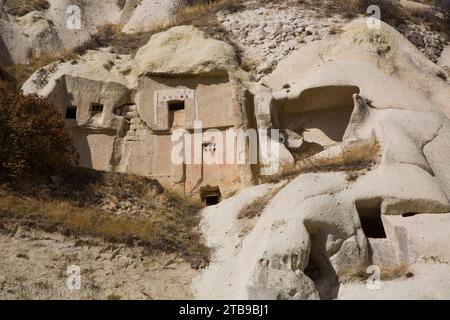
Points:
(324, 227)
(123, 113)
(364, 126)
(57, 29)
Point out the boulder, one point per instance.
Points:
(145, 15)
(171, 53)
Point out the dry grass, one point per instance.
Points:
(201, 15)
(113, 297)
(249, 214)
(111, 36)
(22, 7)
(356, 157)
(254, 208)
(400, 271)
(19, 73)
(74, 206)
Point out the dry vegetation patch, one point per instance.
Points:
(354, 159)
(115, 207)
(19, 73)
(254, 208)
(22, 7)
(201, 14)
(249, 214)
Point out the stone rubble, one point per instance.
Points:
(268, 35)
(430, 43)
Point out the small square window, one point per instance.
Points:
(71, 112)
(96, 109)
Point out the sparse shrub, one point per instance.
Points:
(443, 8)
(254, 208)
(197, 2)
(32, 135)
(392, 11)
(121, 4)
(84, 202)
(22, 7)
(5, 75)
(230, 5)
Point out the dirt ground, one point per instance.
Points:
(34, 265)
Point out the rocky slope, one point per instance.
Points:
(36, 265)
(309, 237)
(68, 24)
(379, 197)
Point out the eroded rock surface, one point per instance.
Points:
(124, 113)
(66, 25)
(37, 265)
(324, 228)
(363, 117)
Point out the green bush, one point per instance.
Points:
(33, 140)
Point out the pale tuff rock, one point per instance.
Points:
(55, 31)
(329, 227)
(364, 112)
(268, 35)
(444, 60)
(122, 111)
(428, 243)
(35, 265)
(47, 32)
(147, 13)
(185, 50)
(375, 62)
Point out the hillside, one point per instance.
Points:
(225, 149)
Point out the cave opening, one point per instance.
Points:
(320, 269)
(320, 115)
(211, 196)
(96, 108)
(369, 212)
(177, 115)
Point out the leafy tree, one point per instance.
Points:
(33, 140)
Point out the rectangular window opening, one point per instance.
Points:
(210, 195)
(96, 108)
(71, 112)
(176, 114)
(369, 212)
(176, 105)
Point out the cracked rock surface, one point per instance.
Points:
(325, 228)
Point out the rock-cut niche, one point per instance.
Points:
(319, 116)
